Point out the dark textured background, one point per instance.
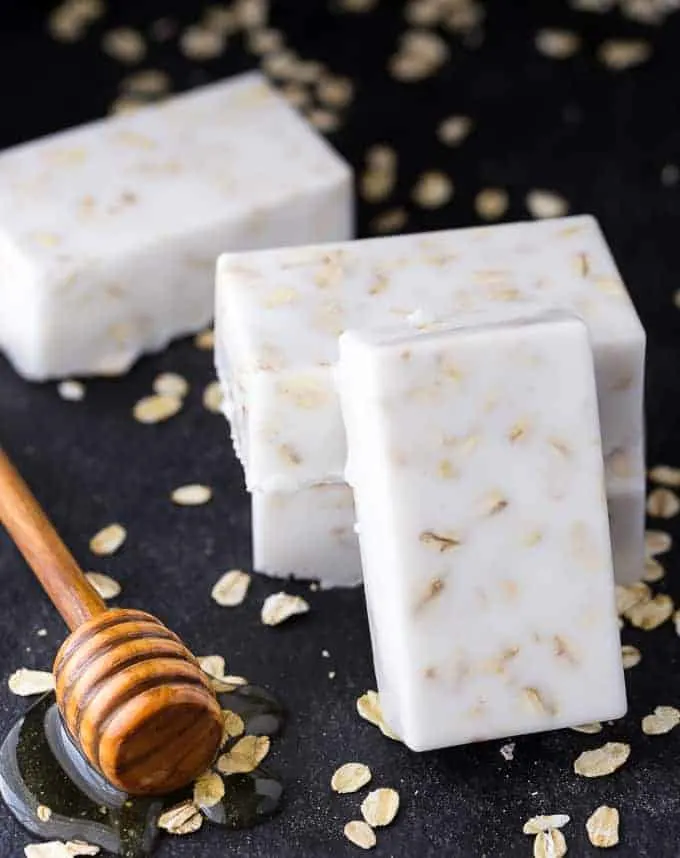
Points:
(597, 137)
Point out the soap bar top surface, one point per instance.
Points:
(128, 181)
(293, 303)
(475, 458)
(279, 314)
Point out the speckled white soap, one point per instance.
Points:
(279, 315)
(476, 464)
(109, 232)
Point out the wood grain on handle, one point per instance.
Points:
(56, 569)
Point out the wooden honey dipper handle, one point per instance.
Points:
(130, 693)
(62, 579)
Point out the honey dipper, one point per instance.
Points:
(131, 694)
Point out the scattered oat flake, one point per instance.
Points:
(557, 44)
(205, 340)
(280, 607)
(360, 834)
(546, 204)
(148, 82)
(663, 720)
(544, 823)
(550, 844)
(654, 571)
(324, 121)
(629, 595)
(193, 494)
(208, 789)
(201, 43)
(245, 756)
(491, 203)
(368, 706)
(589, 729)
(433, 189)
(508, 751)
(43, 813)
(622, 54)
(212, 397)
(335, 91)
(666, 475)
(663, 503)
(657, 542)
(232, 725)
(156, 408)
(391, 220)
(57, 849)
(650, 615)
(108, 540)
(350, 778)
(125, 45)
(602, 761)
(231, 588)
(380, 807)
(453, 130)
(603, 827)
(184, 818)
(630, 656)
(107, 587)
(213, 665)
(171, 384)
(71, 390)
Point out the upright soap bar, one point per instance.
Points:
(476, 464)
(109, 233)
(307, 534)
(279, 315)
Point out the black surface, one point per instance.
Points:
(599, 138)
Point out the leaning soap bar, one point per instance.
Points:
(476, 464)
(279, 315)
(109, 232)
(307, 534)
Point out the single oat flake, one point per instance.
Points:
(630, 656)
(360, 834)
(368, 706)
(453, 130)
(491, 203)
(280, 607)
(184, 818)
(603, 827)
(650, 615)
(57, 849)
(171, 384)
(43, 813)
(557, 44)
(546, 204)
(231, 589)
(622, 54)
(212, 397)
(213, 665)
(208, 790)
(71, 390)
(657, 542)
(663, 503)
(550, 844)
(662, 721)
(629, 595)
(26, 683)
(433, 190)
(232, 726)
(205, 340)
(191, 495)
(125, 45)
(654, 571)
(350, 778)
(544, 823)
(108, 540)
(602, 761)
(380, 807)
(108, 588)
(666, 476)
(156, 408)
(245, 756)
(589, 729)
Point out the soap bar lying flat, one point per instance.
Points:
(279, 315)
(109, 233)
(307, 534)
(476, 464)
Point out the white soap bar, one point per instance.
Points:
(109, 232)
(279, 315)
(476, 464)
(307, 534)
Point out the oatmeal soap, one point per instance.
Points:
(476, 464)
(109, 232)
